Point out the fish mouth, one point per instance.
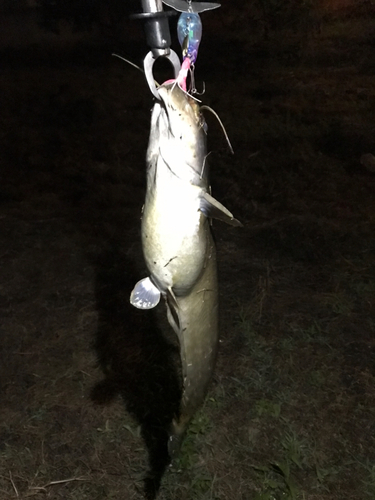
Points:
(182, 123)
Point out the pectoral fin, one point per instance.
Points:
(213, 208)
(145, 295)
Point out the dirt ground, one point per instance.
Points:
(86, 381)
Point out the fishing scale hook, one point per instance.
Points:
(189, 31)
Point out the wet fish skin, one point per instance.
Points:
(174, 229)
(177, 243)
(198, 334)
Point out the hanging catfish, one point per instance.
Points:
(177, 242)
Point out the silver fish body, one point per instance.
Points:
(177, 243)
(198, 334)
(174, 229)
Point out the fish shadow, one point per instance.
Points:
(138, 362)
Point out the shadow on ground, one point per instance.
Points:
(138, 362)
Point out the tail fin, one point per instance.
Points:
(177, 433)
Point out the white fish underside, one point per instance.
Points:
(173, 231)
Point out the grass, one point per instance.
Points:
(290, 412)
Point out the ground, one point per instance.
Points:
(87, 381)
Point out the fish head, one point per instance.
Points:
(184, 129)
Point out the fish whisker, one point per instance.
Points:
(221, 125)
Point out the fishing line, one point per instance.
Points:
(134, 66)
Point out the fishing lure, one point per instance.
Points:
(189, 32)
(189, 26)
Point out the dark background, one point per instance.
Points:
(88, 383)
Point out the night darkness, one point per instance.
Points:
(89, 384)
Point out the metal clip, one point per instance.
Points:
(148, 64)
(158, 39)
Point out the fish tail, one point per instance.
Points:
(177, 433)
